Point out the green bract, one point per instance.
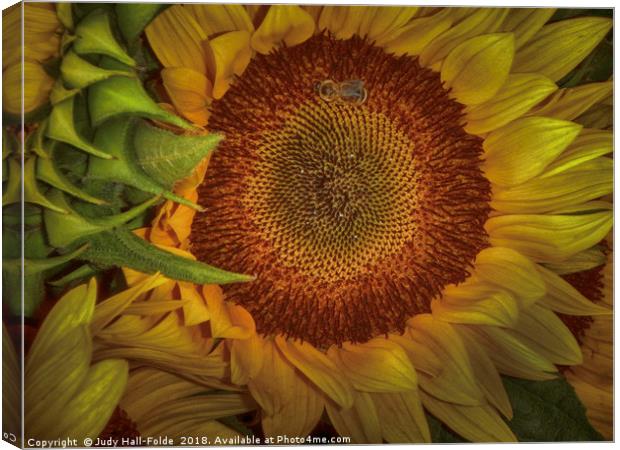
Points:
(95, 166)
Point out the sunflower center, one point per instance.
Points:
(347, 185)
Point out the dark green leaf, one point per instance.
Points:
(547, 411)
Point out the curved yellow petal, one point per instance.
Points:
(413, 38)
(88, 412)
(283, 23)
(474, 423)
(590, 144)
(487, 376)
(292, 407)
(587, 181)
(215, 19)
(222, 325)
(569, 103)
(510, 355)
(195, 310)
(402, 417)
(378, 365)
(342, 21)
(246, 358)
(494, 307)
(542, 331)
(508, 269)
(176, 38)
(476, 69)
(227, 55)
(319, 369)
(387, 22)
(558, 47)
(551, 237)
(455, 382)
(585, 260)
(518, 95)
(476, 22)
(361, 422)
(189, 91)
(599, 404)
(565, 299)
(525, 23)
(522, 149)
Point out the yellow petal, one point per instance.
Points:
(510, 355)
(542, 331)
(569, 103)
(246, 358)
(550, 237)
(442, 339)
(525, 22)
(422, 357)
(215, 19)
(387, 21)
(360, 422)
(378, 365)
(474, 423)
(402, 417)
(589, 144)
(292, 407)
(522, 149)
(520, 93)
(413, 38)
(482, 20)
(476, 69)
(227, 55)
(36, 88)
(342, 21)
(195, 310)
(506, 268)
(600, 115)
(487, 376)
(87, 414)
(564, 298)
(319, 369)
(222, 322)
(587, 181)
(585, 260)
(558, 47)
(283, 23)
(176, 38)
(107, 310)
(190, 92)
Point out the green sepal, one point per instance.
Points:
(168, 157)
(121, 95)
(123, 248)
(83, 272)
(32, 192)
(49, 173)
(134, 17)
(12, 191)
(79, 73)
(62, 128)
(94, 35)
(9, 144)
(37, 266)
(65, 15)
(116, 137)
(36, 141)
(59, 92)
(66, 229)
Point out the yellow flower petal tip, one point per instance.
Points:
(288, 24)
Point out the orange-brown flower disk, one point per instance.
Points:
(352, 216)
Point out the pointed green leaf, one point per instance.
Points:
(123, 248)
(32, 192)
(65, 229)
(121, 95)
(116, 138)
(547, 411)
(47, 172)
(36, 141)
(134, 17)
(169, 157)
(94, 35)
(79, 73)
(12, 191)
(60, 92)
(83, 272)
(62, 128)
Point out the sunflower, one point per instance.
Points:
(67, 396)
(42, 34)
(399, 181)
